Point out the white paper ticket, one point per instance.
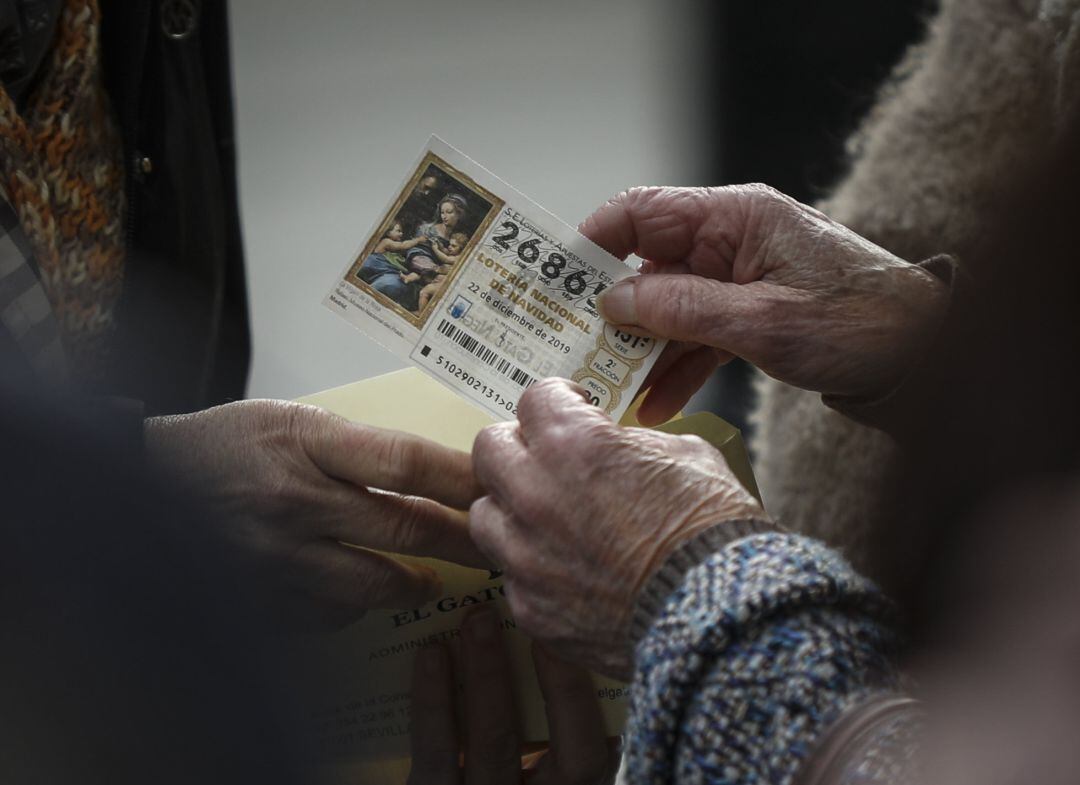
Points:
(488, 292)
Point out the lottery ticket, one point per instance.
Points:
(487, 292)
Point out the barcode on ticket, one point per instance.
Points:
(485, 354)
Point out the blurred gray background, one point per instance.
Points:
(570, 102)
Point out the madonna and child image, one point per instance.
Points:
(423, 240)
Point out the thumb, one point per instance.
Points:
(687, 308)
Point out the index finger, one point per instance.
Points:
(554, 404)
(402, 524)
(392, 461)
(658, 223)
(500, 456)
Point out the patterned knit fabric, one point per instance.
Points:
(754, 655)
(61, 168)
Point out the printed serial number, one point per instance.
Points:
(455, 371)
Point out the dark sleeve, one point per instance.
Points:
(129, 652)
(760, 650)
(891, 411)
(114, 419)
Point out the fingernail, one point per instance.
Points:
(431, 660)
(481, 626)
(646, 417)
(618, 304)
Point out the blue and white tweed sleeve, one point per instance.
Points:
(758, 650)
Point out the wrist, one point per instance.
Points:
(927, 291)
(926, 288)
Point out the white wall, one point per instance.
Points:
(570, 102)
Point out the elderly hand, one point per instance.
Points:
(291, 482)
(579, 752)
(580, 513)
(770, 280)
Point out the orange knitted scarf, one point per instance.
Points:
(61, 169)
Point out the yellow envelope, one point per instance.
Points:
(360, 715)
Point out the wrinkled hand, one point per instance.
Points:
(292, 482)
(770, 280)
(579, 754)
(580, 512)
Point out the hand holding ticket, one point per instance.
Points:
(487, 292)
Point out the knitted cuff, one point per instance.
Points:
(650, 600)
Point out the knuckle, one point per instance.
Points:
(564, 439)
(488, 441)
(480, 509)
(630, 196)
(538, 393)
(556, 437)
(765, 201)
(648, 199)
(408, 530)
(293, 428)
(532, 396)
(484, 440)
(763, 192)
(487, 531)
(399, 459)
(297, 419)
(484, 517)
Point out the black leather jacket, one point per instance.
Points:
(183, 340)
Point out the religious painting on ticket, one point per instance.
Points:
(422, 243)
